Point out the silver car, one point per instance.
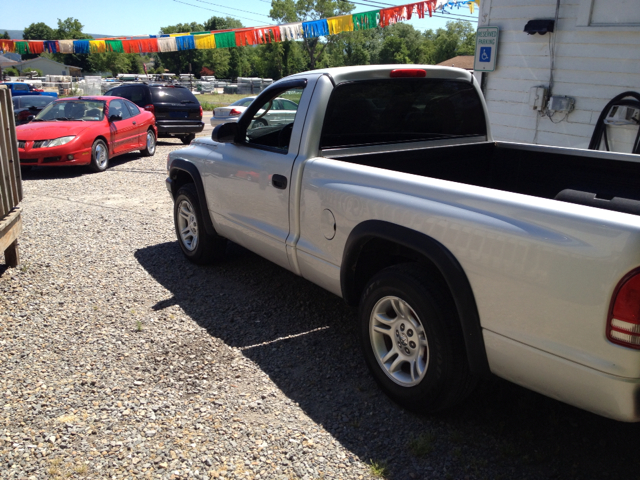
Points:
(278, 111)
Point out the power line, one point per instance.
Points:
(236, 9)
(216, 11)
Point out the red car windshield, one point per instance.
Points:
(73, 110)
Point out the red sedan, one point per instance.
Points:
(86, 131)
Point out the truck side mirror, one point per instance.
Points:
(225, 133)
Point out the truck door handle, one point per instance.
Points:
(279, 181)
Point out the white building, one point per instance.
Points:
(48, 67)
(592, 56)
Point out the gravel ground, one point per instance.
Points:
(119, 359)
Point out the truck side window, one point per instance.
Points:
(401, 110)
(271, 126)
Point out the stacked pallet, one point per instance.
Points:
(10, 182)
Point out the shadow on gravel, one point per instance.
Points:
(48, 173)
(502, 431)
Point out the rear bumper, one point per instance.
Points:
(179, 128)
(583, 387)
(215, 121)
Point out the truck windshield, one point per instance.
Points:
(401, 110)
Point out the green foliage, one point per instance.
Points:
(5, 36)
(38, 72)
(10, 72)
(116, 63)
(219, 23)
(38, 31)
(288, 11)
(378, 469)
(459, 38)
(219, 61)
(70, 29)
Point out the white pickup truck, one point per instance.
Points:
(465, 256)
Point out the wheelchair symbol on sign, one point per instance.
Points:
(485, 54)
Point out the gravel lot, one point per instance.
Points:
(119, 359)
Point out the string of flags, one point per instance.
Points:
(239, 37)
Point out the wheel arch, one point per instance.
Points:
(373, 245)
(106, 142)
(183, 172)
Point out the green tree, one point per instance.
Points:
(220, 61)
(295, 59)
(289, 11)
(355, 48)
(109, 62)
(220, 23)
(178, 62)
(458, 38)
(71, 29)
(239, 65)
(135, 62)
(394, 50)
(5, 36)
(38, 31)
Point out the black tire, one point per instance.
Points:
(196, 243)
(151, 144)
(186, 139)
(432, 316)
(99, 156)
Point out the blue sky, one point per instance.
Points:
(143, 17)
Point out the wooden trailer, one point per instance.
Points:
(10, 182)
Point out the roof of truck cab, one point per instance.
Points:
(370, 72)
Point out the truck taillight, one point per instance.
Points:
(201, 112)
(150, 108)
(408, 73)
(623, 326)
(234, 112)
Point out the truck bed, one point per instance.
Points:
(598, 179)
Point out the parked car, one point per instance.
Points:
(279, 111)
(25, 106)
(177, 111)
(86, 131)
(21, 88)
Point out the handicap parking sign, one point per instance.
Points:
(485, 54)
(486, 49)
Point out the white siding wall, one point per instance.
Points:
(592, 65)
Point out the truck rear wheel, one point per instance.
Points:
(196, 243)
(412, 340)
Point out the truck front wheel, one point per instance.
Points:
(412, 340)
(196, 243)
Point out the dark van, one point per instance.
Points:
(177, 110)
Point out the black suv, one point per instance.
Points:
(178, 112)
